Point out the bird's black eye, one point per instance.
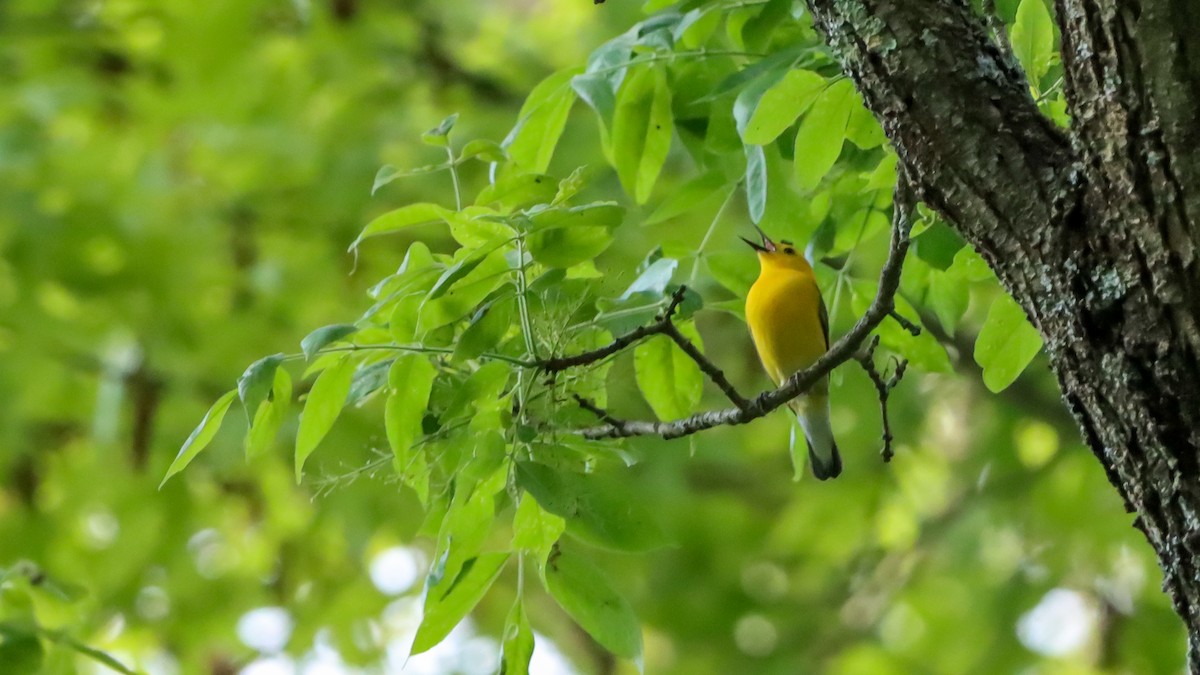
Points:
(790, 251)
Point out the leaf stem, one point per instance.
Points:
(454, 178)
(708, 234)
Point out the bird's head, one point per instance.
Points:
(778, 255)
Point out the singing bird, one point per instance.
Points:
(790, 328)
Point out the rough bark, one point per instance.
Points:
(1093, 231)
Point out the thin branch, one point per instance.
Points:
(560, 363)
(883, 386)
(710, 369)
(912, 328)
(841, 351)
(663, 325)
(599, 412)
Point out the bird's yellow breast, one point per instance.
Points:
(783, 311)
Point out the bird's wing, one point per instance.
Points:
(824, 315)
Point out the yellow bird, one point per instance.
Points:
(790, 327)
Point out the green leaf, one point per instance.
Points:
(670, 381)
(535, 529)
(863, 129)
(483, 150)
(517, 191)
(653, 280)
(756, 182)
(368, 380)
(21, 651)
(201, 436)
(439, 136)
(758, 30)
(388, 173)
(595, 214)
(487, 328)
(922, 351)
(781, 105)
(457, 271)
(270, 416)
(970, 266)
(483, 389)
(517, 649)
(323, 337)
(599, 508)
(642, 128)
(585, 594)
(948, 298)
(821, 132)
(884, 175)
(780, 61)
(568, 246)
(571, 185)
(606, 69)
(1006, 344)
(735, 270)
(697, 26)
(91, 652)
(562, 238)
(458, 300)
(410, 380)
(540, 124)
(1032, 38)
(405, 216)
(322, 408)
(937, 245)
(255, 382)
(444, 608)
(694, 194)
(747, 99)
(479, 226)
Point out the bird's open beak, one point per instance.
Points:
(767, 246)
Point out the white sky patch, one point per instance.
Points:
(396, 570)
(1060, 624)
(265, 629)
(547, 659)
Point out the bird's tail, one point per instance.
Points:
(813, 413)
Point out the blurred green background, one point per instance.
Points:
(179, 182)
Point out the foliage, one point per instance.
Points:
(422, 414)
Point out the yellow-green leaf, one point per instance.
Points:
(322, 407)
(410, 380)
(540, 123)
(445, 608)
(780, 106)
(670, 381)
(405, 216)
(201, 436)
(821, 133)
(1006, 344)
(642, 128)
(270, 416)
(1032, 38)
(583, 591)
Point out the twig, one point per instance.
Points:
(841, 351)
(663, 325)
(599, 412)
(710, 369)
(884, 388)
(907, 325)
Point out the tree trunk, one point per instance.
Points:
(1094, 231)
